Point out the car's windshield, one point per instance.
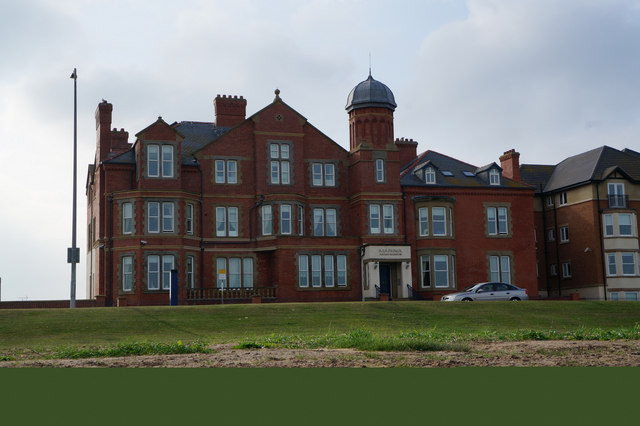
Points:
(469, 288)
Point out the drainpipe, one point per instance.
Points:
(197, 163)
(544, 242)
(604, 273)
(109, 251)
(556, 237)
(251, 209)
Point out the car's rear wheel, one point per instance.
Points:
(467, 299)
(515, 299)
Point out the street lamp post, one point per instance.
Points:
(73, 253)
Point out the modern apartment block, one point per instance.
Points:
(268, 208)
(587, 224)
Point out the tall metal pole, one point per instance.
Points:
(73, 255)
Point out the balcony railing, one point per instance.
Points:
(231, 293)
(618, 201)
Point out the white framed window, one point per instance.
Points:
(494, 177)
(439, 221)
(380, 172)
(279, 164)
(381, 224)
(167, 161)
(267, 220)
(608, 225)
(500, 269)
(329, 276)
(624, 225)
(190, 272)
(285, 219)
(127, 218)
(160, 161)
(631, 296)
(327, 270)
(226, 171)
(189, 219)
(127, 273)
(550, 200)
(497, 221)
(628, 263)
(300, 220)
(238, 272)
(325, 222)
(553, 270)
(303, 271)
(616, 194)
(323, 174)
(159, 271)
(247, 272)
(429, 175)
(566, 270)
(614, 295)
(551, 234)
(562, 198)
(316, 270)
(423, 220)
(441, 271)
(612, 269)
(226, 221)
(564, 234)
(159, 213)
(374, 218)
(387, 218)
(167, 217)
(153, 160)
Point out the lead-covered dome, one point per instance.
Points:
(370, 93)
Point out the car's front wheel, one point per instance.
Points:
(467, 299)
(515, 299)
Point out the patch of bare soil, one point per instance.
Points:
(482, 354)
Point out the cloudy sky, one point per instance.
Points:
(472, 79)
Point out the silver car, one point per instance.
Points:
(488, 291)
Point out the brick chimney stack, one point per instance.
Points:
(510, 163)
(408, 150)
(230, 111)
(103, 130)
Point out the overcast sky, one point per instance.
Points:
(472, 79)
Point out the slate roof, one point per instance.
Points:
(593, 165)
(441, 162)
(196, 135)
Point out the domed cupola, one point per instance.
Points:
(370, 93)
(370, 106)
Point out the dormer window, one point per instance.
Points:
(160, 161)
(494, 177)
(429, 175)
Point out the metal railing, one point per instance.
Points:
(231, 293)
(618, 201)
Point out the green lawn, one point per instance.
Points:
(46, 328)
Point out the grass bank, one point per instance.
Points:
(46, 328)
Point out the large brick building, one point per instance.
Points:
(268, 206)
(587, 224)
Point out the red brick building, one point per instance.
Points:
(587, 224)
(270, 207)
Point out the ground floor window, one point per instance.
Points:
(500, 269)
(190, 275)
(234, 272)
(631, 296)
(437, 270)
(159, 271)
(621, 264)
(322, 270)
(127, 273)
